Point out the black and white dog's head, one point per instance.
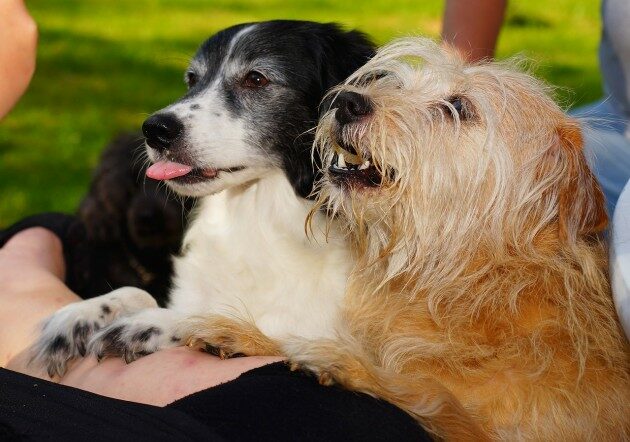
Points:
(253, 96)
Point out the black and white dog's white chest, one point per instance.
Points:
(247, 256)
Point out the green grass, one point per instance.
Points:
(103, 65)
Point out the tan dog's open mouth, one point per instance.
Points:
(353, 167)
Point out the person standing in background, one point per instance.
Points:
(607, 134)
(473, 28)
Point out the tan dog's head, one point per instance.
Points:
(428, 155)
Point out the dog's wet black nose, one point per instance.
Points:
(162, 130)
(351, 107)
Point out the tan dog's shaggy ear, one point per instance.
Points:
(582, 206)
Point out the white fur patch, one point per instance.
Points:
(247, 255)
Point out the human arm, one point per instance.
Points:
(18, 47)
(473, 27)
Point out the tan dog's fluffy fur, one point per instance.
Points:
(480, 301)
(479, 266)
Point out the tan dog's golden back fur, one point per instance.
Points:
(479, 265)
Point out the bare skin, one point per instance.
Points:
(473, 26)
(31, 274)
(18, 34)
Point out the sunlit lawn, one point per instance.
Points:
(105, 64)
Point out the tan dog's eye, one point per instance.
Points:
(460, 106)
(457, 105)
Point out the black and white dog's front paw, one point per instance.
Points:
(65, 334)
(141, 334)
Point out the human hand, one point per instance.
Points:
(18, 47)
(159, 378)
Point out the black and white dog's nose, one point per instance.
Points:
(162, 130)
(351, 107)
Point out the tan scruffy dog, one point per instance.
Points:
(480, 303)
(480, 276)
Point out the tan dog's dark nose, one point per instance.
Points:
(351, 107)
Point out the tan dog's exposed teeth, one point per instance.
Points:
(365, 165)
(339, 162)
(347, 156)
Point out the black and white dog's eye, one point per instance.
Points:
(191, 79)
(255, 79)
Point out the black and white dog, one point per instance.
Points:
(241, 140)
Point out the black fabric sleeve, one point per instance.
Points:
(38, 410)
(272, 403)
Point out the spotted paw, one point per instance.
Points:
(66, 333)
(132, 337)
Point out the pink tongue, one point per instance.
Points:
(166, 170)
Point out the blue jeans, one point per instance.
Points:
(607, 147)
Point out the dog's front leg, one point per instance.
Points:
(140, 334)
(422, 396)
(66, 333)
(228, 337)
(154, 329)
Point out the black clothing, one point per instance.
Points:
(269, 403)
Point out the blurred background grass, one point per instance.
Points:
(103, 65)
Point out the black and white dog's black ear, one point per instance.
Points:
(341, 53)
(336, 54)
